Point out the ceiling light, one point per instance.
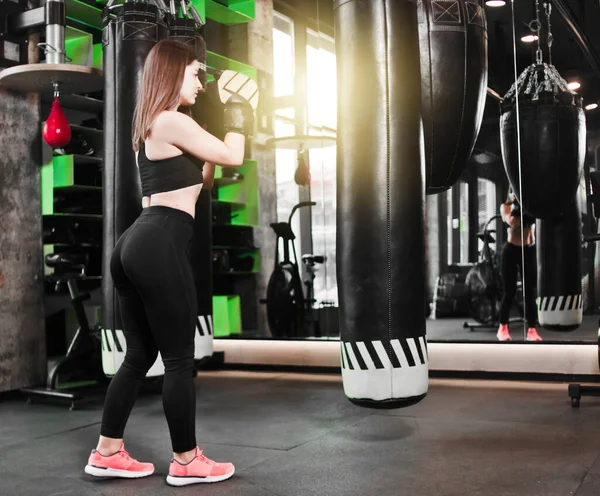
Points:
(495, 3)
(529, 38)
(573, 85)
(591, 106)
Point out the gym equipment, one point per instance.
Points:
(560, 299)
(56, 130)
(550, 149)
(381, 202)
(83, 361)
(453, 54)
(288, 311)
(130, 30)
(53, 74)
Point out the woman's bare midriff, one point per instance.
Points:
(514, 236)
(180, 199)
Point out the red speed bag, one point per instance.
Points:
(56, 131)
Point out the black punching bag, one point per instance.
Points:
(552, 141)
(129, 32)
(187, 31)
(560, 299)
(453, 46)
(380, 203)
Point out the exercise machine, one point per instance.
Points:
(484, 284)
(289, 311)
(82, 362)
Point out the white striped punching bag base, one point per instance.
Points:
(560, 313)
(385, 374)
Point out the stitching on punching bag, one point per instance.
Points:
(387, 165)
(462, 112)
(431, 96)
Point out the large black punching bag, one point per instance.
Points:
(453, 45)
(559, 291)
(187, 31)
(380, 203)
(129, 32)
(551, 136)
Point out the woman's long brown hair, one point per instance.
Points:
(162, 78)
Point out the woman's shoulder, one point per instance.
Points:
(170, 123)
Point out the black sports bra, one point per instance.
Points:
(168, 174)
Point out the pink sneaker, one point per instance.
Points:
(532, 335)
(200, 469)
(503, 334)
(119, 464)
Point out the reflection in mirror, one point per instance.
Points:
(562, 276)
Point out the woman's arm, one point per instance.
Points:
(511, 220)
(186, 134)
(208, 174)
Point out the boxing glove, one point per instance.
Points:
(238, 116)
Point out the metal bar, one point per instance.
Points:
(567, 15)
(18, 23)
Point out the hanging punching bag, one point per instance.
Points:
(552, 140)
(453, 46)
(129, 32)
(559, 301)
(187, 31)
(380, 203)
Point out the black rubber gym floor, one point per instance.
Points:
(451, 329)
(297, 435)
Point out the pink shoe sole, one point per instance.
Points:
(179, 481)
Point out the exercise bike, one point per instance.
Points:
(289, 312)
(83, 360)
(484, 284)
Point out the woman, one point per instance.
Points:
(512, 259)
(150, 269)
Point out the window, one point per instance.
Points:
(283, 55)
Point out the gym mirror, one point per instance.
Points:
(533, 161)
(466, 235)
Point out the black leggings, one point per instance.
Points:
(157, 298)
(511, 261)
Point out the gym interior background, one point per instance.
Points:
(289, 47)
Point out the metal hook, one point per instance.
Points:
(56, 92)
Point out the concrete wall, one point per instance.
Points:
(22, 331)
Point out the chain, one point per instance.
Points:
(539, 56)
(548, 8)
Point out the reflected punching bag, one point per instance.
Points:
(559, 291)
(552, 141)
(380, 203)
(453, 46)
(187, 31)
(129, 32)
